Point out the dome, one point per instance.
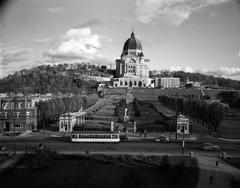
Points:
(132, 43)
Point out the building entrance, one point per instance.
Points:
(7, 126)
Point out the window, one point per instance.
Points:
(29, 105)
(74, 136)
(114, 136)
(17, 114)
(61, 125)
(6, 106)
(28, 114)
(12, 105)
(6, 115)
(120, 83)
(18, 125)
(126, 83)
(19, 105)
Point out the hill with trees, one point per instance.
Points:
(50, 79)
(203, 79)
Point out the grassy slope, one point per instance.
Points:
(82, 172)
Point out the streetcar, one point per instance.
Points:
(84, 136)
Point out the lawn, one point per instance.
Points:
(234, 161)
(103, 171)
(230, 128)
(150, 118)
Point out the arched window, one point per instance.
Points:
(135, 83)
(140, 84)
(121, 83)
(126, 83)
(130, 83)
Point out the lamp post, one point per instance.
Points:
(183, 140)
(14, 116)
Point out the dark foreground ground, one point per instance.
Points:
(102, 171)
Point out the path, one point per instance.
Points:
(221, 174)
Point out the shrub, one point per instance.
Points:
(165, 164)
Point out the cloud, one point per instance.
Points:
(226, 71)
(219, 72)
(13, 55)
(77, 43)
(13, 58)
(90, 22)
(56, 10)
(173, 12)
(178, 68)
(43, 40)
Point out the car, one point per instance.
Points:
(162, 138)
(123, 138)
(210, 147)
(3, 148)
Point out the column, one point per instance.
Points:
(134, 127)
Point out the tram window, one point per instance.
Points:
(114, 136)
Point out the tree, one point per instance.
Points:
(216, 112)
(230, 97)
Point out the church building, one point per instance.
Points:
(132, 69)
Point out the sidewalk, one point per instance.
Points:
(221, 174)
(152, 135)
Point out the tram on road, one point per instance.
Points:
(95, 137)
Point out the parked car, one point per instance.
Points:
(3, 148)
(162, 138)
(123, 138)
(209, 147)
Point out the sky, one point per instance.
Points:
(190, 35)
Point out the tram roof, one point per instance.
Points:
(95, 132)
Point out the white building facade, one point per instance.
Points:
(132, 68)
(68, 120)
(182, 124)
(168, 82)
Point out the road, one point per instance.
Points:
(140, 146)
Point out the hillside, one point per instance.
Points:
(49, 79)
(203, 79)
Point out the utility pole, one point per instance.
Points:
(176, 119)
(170, 128)
(14, 116)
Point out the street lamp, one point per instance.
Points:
(183, 140)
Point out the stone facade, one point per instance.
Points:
(132, 67)
(68, 120)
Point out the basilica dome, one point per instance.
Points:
(132, 44)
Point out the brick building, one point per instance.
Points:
(20, 112)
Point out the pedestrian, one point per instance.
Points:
(217, 163)
(140, 133)
(211, 179)
(145, 133)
